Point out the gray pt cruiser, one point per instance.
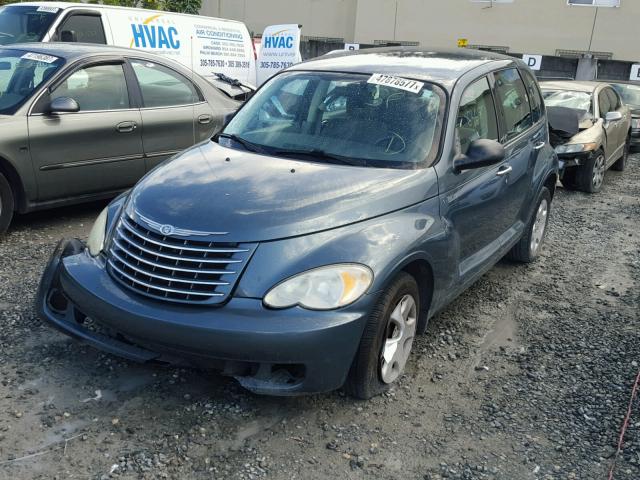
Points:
(304, 247)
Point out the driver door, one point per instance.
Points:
(97, 149)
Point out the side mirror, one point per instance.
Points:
(5, 65)
(64, 105)
(481, 153)
(613, 117)
(68, 36)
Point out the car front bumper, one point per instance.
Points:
(277, 352)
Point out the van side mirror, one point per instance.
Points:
(63, 105)
(613, 117)
(68, 36)
(481, 153)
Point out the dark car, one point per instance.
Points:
(349, 200)
(630, 93)
(592, 131)
(83, 122)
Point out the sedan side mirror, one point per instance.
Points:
(64, 105)
(481, 153)
(613, 116)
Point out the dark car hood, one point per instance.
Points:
(257, 198)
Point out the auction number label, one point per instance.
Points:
(396, 82)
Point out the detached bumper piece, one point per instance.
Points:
(274, 352)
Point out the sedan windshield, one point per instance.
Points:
(20, 24)
(630, 94)
(568, 99)
(353, 119)
(21, 73)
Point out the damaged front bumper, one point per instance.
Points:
(277, 352)
(570, 160)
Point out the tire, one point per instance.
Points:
(370, 374)
(6, 204)
(529, 246)
(569, 179)
(590, 176)
(621, 163)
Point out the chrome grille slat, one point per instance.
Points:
(172, 267)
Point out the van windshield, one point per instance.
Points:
(19, 24)
(354, 119)
(21, 73)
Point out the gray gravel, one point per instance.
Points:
(527, 376)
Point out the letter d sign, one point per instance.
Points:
(635, 72)
(533, 61)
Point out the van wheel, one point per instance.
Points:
(387, 340)
(529, 246)
(6, 204)
(620, 165)
(590, 176)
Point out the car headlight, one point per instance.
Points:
(95, 242)
(635, 123)
(576, 148)
(323, 288)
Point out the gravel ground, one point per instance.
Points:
(527, 375)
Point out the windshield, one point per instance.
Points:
(630, 93)
(568, 99)
(365, 120)
(19, 24)
(21, 73)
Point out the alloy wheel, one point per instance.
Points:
(539, 226)
(598, 172)
(401, 331)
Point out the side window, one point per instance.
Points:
(512, 96)
(604, 103)
(476, 115)
(535, 98)
(614, 100)
(162, 87)
(100, 87)
(83, 29)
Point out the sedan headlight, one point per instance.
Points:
(576, 148)
(95, 243)
(324, 288)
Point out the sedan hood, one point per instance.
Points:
(210, 188)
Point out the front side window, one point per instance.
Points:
(512, 96)
(162, 87)
(614, 100)
(19, 24)
(83, 29)
(100, 87)
(21, 73)
(341, 118)
(604, 103)
(476, 115)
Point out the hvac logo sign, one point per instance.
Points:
(154, 32)
(283, 39)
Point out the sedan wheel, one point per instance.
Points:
(597, 177)
(401, 331)
(6, 204)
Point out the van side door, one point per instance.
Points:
(174, 112)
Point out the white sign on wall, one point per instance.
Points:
(533, 61)
(635, 72)
(280, 49)
(352, 46)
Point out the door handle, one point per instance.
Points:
(126, 127)
(539, 145)
(504, 170)
(204, 119)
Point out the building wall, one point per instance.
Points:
(525, 26)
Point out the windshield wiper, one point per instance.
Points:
(233, 81)
(250, 146)
(319, 154)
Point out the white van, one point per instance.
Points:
(204, 44)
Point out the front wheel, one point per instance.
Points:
(529, 246)
(387, 339)
(6, 204)
(590, 176)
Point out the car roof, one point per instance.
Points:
(572, 85)
(440, 66)
(73, 51)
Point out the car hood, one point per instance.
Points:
(210, 188)
(594, 134)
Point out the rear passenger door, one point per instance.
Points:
(619, 127)
(174, 112)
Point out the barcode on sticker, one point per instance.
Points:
(396, 82)
(39, 57)
(48, 9)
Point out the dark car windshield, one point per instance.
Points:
(21, 73)
(630, 94)
(567, 98)
(19, 24)
(365, 120)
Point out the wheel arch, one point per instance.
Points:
(15, 182)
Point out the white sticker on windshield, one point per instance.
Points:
(39, 57)
(48, 9)
(396, 82)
